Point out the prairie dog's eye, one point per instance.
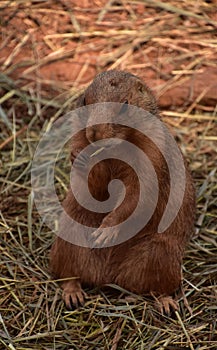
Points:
(123, 107)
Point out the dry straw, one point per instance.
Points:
(32, 315)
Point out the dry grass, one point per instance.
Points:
(32, 315)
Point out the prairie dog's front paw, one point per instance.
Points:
(102, 238)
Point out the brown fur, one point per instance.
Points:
(149, 261)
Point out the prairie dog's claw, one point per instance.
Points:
(100, 239)
(73, 295)
(166, 305)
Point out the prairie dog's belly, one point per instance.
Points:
(98, 180)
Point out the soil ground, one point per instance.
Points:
(49, 52)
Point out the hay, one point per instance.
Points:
(122, 35)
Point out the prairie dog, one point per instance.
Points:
(149, 262)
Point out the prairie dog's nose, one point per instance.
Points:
(93, 134)
(99, 132)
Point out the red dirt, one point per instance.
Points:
(155, 44)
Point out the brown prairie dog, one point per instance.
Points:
(148, 262)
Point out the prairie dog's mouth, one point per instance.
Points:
(108, 144)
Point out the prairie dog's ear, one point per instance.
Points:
(142, 87)
(145, 90)
(81, 101)
(146, 97)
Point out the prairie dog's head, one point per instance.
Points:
(121, 87)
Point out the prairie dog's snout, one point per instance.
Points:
(98, 132)
(102, 123)
(104, 134)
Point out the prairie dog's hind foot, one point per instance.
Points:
(73, 295)
(166, 304)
